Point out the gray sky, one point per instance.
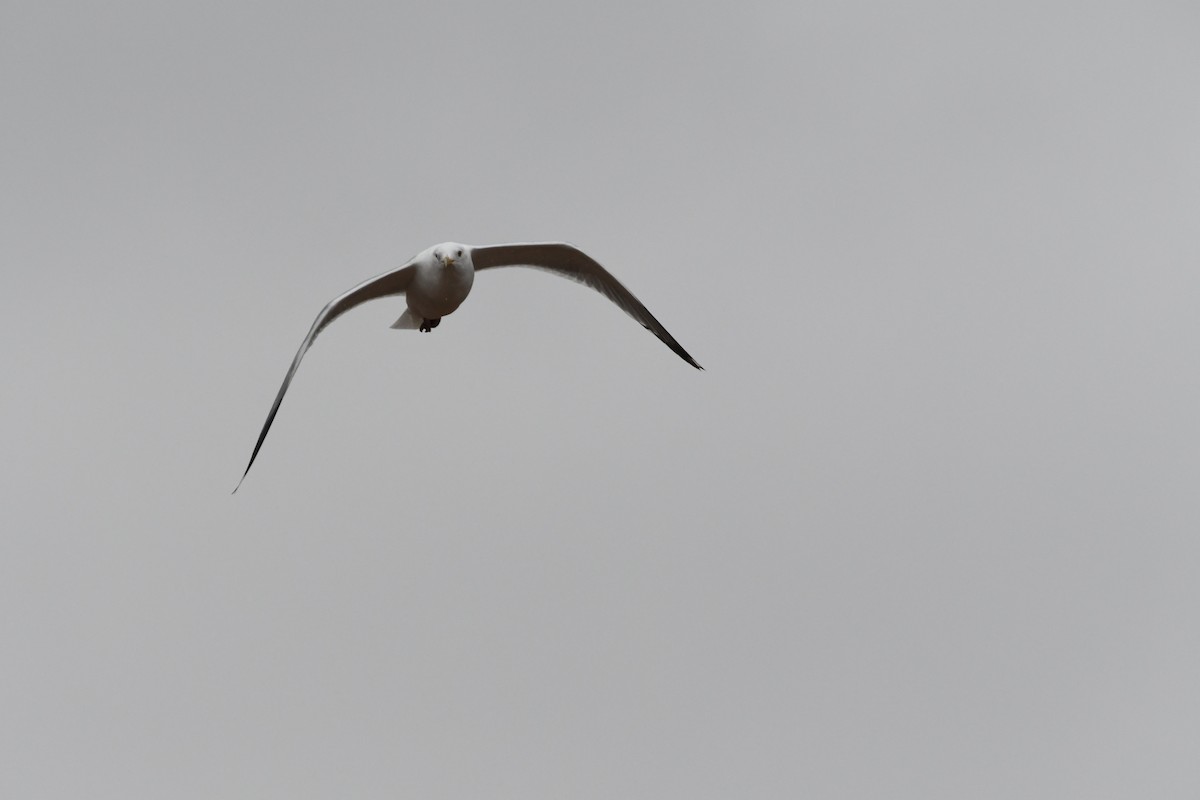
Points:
(925, 527)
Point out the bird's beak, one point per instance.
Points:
(447, 261)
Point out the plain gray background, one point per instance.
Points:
(926, 527)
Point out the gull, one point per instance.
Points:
(437, 280)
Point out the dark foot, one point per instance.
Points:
(429, 324)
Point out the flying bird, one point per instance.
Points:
(437, 280)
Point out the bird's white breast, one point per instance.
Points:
(437, 290)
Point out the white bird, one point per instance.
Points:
(437, 280)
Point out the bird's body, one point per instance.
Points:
(442, 279)
(436, 281)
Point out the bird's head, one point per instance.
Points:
(450, 253)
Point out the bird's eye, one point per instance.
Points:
(460, 253)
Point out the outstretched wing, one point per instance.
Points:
(573, 263)
(389, 283)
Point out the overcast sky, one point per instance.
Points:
(926, 527)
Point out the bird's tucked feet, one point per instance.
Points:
(429, 324)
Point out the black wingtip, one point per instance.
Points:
(684, 354)
(247, 472)
(679, 351)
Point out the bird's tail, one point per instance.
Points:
(408, 321)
